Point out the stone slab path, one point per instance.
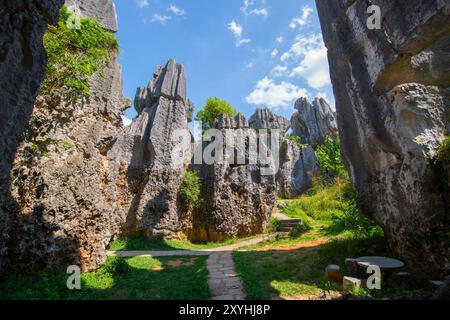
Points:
(223, 281)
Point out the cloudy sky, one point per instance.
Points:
(253, 53)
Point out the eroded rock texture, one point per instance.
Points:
(392, 99)
(156, 156)
(298, 166)
(265, 119)
(313, 122)
(102, 10)
(238, 196)
(67, 207)
(22, 67)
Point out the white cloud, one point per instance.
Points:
(279, 40)
(249, 65)
(274, 52)
(279, 71)
(175, 10)
(308, 60)
(302, 45)
(248, 8)
(273, 95)
(126, 121)
(237, 30)
(143, 3)
(160, 18)
(303, 19)
(242, 41)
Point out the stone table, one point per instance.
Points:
(383, 262)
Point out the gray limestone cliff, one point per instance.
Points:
(154, 158)
(298, 164)
(313, 122)
(22, 68)
(66, 197)
(238, 196)
(392, 99)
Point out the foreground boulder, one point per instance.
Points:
(391, 88)
(313, 122)
(22, 68)
(145, 150)
(65, 197)
(238, 197)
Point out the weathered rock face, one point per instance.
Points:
(237, 197)
(391, 87)
(154, 157)
(67, 197)
(313, 122)
(264, 119)
(22, 67)
(298, 166)
(103, 11)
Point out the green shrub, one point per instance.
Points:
(352, 217)
(115, 266)
(273, 225)
(296, 140)
(190, 191)
(329, 156)
(213, 108)
(443, 161)
(74, 55)
(298, 231)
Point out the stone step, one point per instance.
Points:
(290, 224)
(285, 229)
(291, 221)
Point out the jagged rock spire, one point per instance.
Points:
(265, 119)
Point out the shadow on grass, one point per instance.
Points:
(138, 278)
(300, 273)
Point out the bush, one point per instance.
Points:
(190, 191)
(352, 217)
(298, 231)
(329, 156)
(213, 108)
(74, 55)
(115, 266)
(443, 161)
(273, 225)
(296, 140)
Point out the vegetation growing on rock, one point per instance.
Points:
(213, 108)
(329, 155)
(74, 53)
(190, 189)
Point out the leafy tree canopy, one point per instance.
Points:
(212, 110)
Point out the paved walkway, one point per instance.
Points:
(279, 215)
(223, 280)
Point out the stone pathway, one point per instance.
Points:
(223, 280)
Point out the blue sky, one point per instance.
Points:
(253, 53)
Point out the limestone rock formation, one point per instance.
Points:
(265, 119)
(392, 99)
(154, 157)
(103, 11)
(298, 166)
(313, 122)
(67, 197)
(22, 67)
(238, 197)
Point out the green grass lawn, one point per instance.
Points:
(143, 243)
(294, 267)
(142, 278)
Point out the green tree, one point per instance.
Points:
(329, 155)
(213, 108)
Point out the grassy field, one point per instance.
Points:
(294, 267)
(142, 243)
(142, 278)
